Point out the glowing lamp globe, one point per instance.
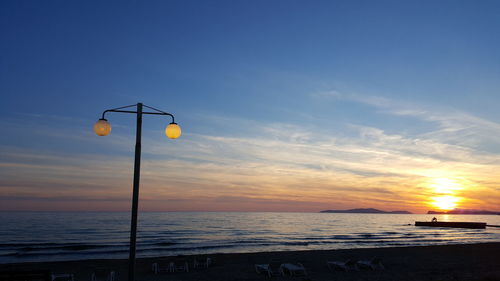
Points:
(102, 127)
(173, 131)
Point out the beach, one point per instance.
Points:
(443, 262)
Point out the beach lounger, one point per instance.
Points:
(180, 266)
(373, 264)
(103, 275)
(349, 265)
(293, 269)
(156, 268)
(202, 262)
(272, 268)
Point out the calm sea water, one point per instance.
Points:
(46, 236)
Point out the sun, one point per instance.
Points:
(446, 202)
(444, 192)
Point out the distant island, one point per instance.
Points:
(463, 212)
(365, 211)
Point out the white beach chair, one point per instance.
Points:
(272, 268)
(180, 266)
(373, 264)
(349, 265)
(156, 268)
(103, 275)
(202, 262)
(260, 268)
(292, 269)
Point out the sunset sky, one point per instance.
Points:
(284, 105)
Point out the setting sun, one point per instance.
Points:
(445, 202)
(445, 192)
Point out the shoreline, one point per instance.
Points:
(438, 262)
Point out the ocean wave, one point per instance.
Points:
(105, 235)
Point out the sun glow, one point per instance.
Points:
(445, 190)
(445, 185)
(446, 202)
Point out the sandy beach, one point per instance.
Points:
(449, 262)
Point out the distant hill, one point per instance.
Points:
(365, 211)
(463, 212)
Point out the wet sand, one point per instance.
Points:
(429, 263)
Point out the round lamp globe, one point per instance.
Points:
(173, 131)
(102, 127)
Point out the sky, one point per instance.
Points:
(294, 106)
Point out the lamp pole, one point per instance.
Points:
(103, 128)
(135, 195)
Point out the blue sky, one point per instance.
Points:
(284, 105)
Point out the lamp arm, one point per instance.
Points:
(117, 110)
(159, 112)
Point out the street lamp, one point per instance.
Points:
(103, 128)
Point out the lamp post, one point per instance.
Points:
(103, 128)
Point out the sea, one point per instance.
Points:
(60, 236)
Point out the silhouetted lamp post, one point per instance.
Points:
(103, 128)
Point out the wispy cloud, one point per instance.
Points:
(451, 126)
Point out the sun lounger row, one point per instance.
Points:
(103, 275)
(181, 266)
(171, 267)
(275, 268)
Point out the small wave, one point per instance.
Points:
(316, 238)
(207, 247)
(27, 244)
(371, 241)
(253, 241)
(296, 243)
(358, 237)
(343, 237)
(76, 247)
(65, 253)
(165, 243)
